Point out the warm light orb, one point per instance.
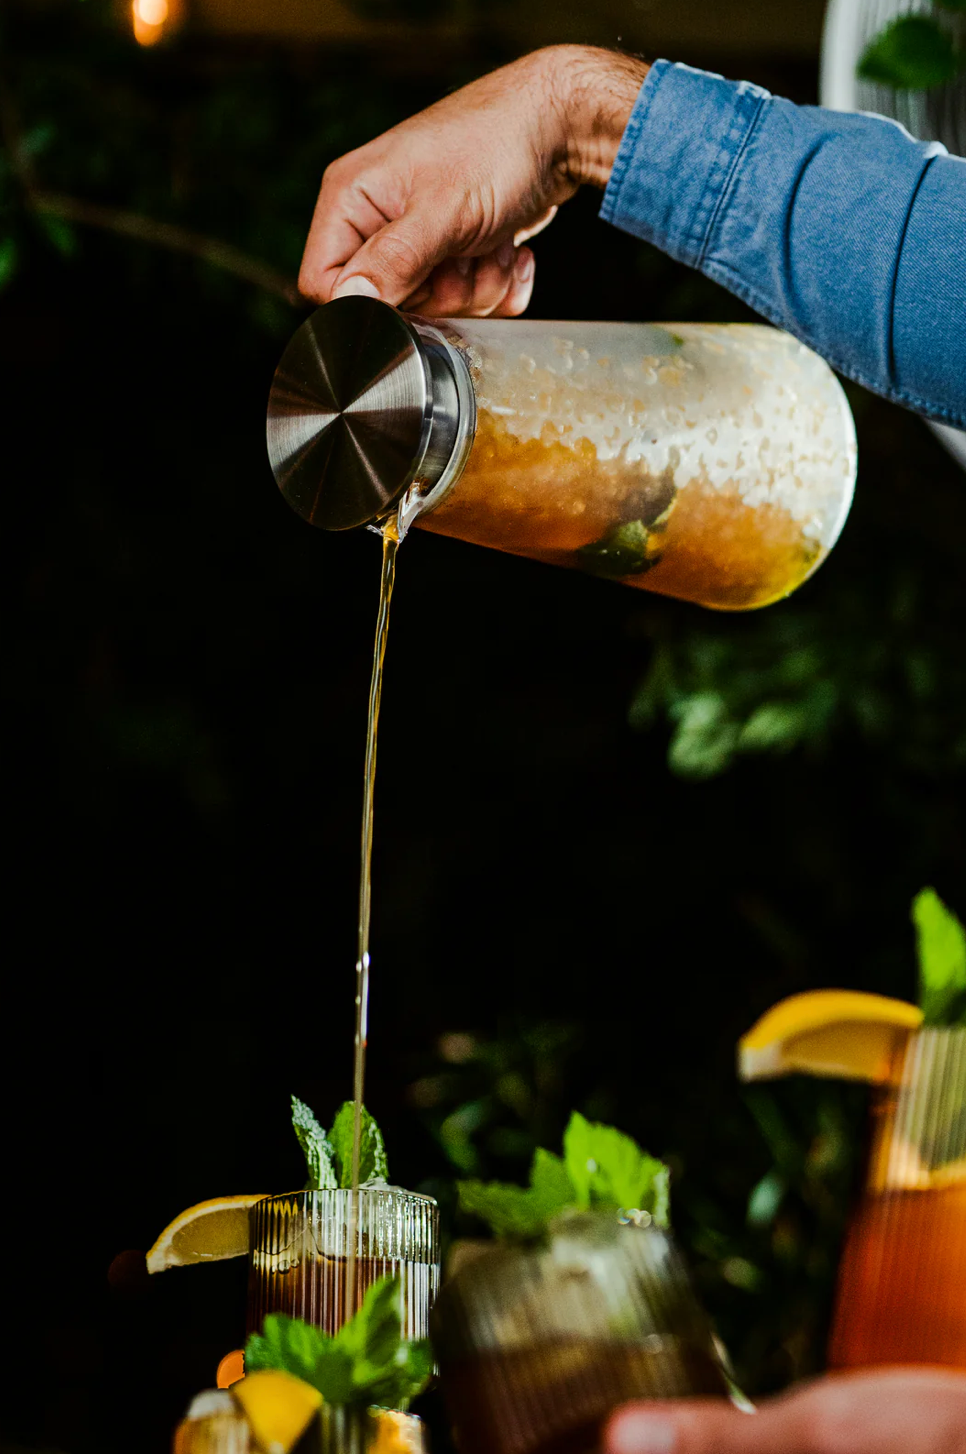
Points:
(150, 18)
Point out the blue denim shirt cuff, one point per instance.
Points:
(679, 156)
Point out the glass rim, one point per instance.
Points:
(364, 1191)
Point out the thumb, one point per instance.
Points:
(395, 260)
(693, 1426)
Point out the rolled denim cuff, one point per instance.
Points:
(679, 156)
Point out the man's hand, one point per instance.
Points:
(434, 214)
(892, 1411)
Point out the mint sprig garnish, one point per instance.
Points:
(315, 1147)
(601, 1167)
(328, 1157)
(366, 1362)
(372, 1151)
(942, 960)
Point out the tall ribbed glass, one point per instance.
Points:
(299, 1255)
(537, 1344)
(902, 1281)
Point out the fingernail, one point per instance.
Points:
(355, 288)
(524, 267)
(504, 254)
(641, 1434)
(463, 265)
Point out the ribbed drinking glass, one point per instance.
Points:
(537, 1344)
(299, 1259)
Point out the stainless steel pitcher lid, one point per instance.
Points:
(360, 408)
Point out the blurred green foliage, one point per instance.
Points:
(874, 665)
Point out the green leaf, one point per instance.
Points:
(954, 5)
(9, 255)
(315, 1146)
(601, 1167)
(372, 1151)
(912, 53)
(511, 1211)
(942, 960)
(610, 1169)
(58, 232)
(621, 552)
(366, 1362)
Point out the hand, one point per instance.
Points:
(434, 214)
(890, 1411)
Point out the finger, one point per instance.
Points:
(492, 278)
(887, 1412)
(517, 297)
(693, 1426)
(394, 262)
(525, 233)
(345, 217)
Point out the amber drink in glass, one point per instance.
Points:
(537, 1344)
(300, 1260)
(902, 1281)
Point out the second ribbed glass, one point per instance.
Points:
(538, 1344)
(299, 1260)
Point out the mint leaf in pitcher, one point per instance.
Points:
(372, 1151)
(316, 1148)
(942, 960)
(621, 552)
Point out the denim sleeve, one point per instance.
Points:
(839, 228)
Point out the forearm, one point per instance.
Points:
(839, 228)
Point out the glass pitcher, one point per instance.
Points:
(712, 462)
(902, 1280)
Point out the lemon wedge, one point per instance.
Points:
(208, 1232)
(278, 1407)
(840, 1033)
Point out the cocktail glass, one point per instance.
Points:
(300, 1247)
(902, 1279)
(537, 1344)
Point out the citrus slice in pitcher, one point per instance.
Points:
(845, 1034)
(208, 1232)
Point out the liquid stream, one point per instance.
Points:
(390, 544)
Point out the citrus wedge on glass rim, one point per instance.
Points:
(845, 1034)
(209, 1232)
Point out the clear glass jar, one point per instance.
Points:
(537, 1344)
(299, 1255)
(713, 462)
(902, 1279)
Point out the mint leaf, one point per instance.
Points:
(912, 53)
(372, 1151)
(285, 1343)
(942, 960)
(315, 1146)
(511, 1211)
(621, 552)
(550, 1180)
(608, 1168)
(366, 1362)
(601, 1167)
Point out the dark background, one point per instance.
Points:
(610, 829)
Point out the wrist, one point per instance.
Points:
(594, 91)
